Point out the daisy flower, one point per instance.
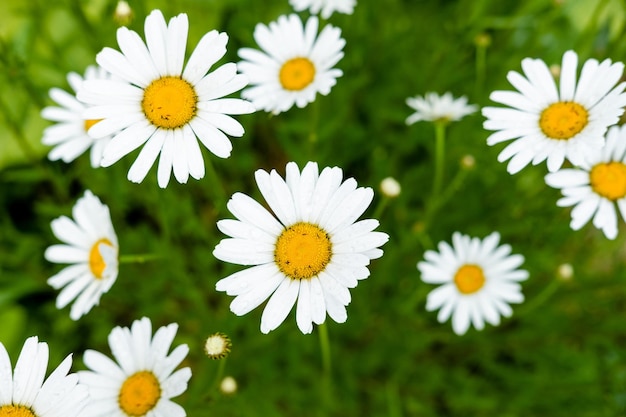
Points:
(26, 393)
(295, 65)
(143, 380)
(478, 280)
(311, 249)
(597, 188)
(92, 249)
(69, 135)
(326, 7)
(433, 107)
(553, 124)
(157, 104)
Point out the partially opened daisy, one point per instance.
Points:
(158, 104)
(546, 123)
(295, 65)
(69, 135)
(26, 392)
(143, 380)
(92, 249)
(478, 280)
(324, 7)
(311, 249)
(597, 188)
(433, 107)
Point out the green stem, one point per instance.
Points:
(219, 193)
(382, 204)
(313, 137)
(325, 347)
(440, 149)
(542, 297)
(139, 259)
(481, 59)
(219, 374)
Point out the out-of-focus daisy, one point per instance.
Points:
(478, 280)
(295, 64)
(433, 107)
(597, 188)
(157, 104)
(69, 135)
(550, 124)
(325, 7)
(311, 249)
(26, 392)
(92, 249)
(143, 380)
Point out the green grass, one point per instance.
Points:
(563, 355)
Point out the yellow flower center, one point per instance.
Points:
(10, 410)
(469, 279)
(563, 120)
(169, 102)
(90, 122)
(302, 251)
(609, 180)
(139, 393)
(296, 74)
(96, 262)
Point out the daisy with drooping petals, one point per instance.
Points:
(597, 186)
(26, 393)
(295, 64)
(433, 107)
(157, 104)
(325, 7)
(311, 249)
(69, 135)
(478, 280)
(550, 124)
(143, 380)
(91, 246)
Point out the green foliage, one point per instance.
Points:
(561, 355)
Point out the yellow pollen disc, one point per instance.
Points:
(563, 120)
(469, 279)
(96, 262)
(296, 74)
(90, 122)
(609, 180)
(15, 411)
(169, 102)
(139, 393)
(302, 251)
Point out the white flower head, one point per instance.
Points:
(478, 280)
(69, 134)
(143, 380)
(295, 65)
(597, 188)
(91, 247)
(161, 105)
(433, 107)
(550, 123)
(324, 7)
(26, 392)
(311, 249)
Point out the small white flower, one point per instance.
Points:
(433, 107)
(92, 249)
(295, 65)
(390, 187)
(26, 392)
(546, 123)
(597, 188)
(69, 135)
(143, 380)
(311, 249)
(478, 280)
(325, 7)
(158, 104)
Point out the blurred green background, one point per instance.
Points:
(561, 354)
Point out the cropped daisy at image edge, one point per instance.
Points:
(163, 106)
(91, 246)
(309, 251)
(477, 279)
(324, 8)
